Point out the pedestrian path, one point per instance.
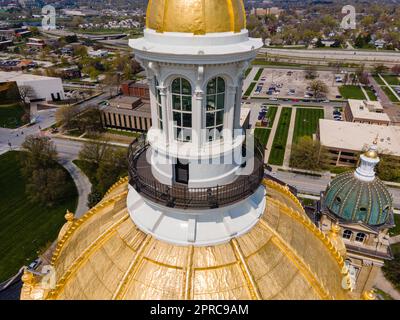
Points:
(390, 87)
(365, 93)
(250, 78)
(288, 150)
(272, 135)
(385, 285)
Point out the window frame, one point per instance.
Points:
(182, 112)
(216, 113)
(359, 236)
(347, 232)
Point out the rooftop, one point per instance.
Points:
(19, 76)
(336, 134)
(369, 110)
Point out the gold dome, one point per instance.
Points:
(371, 154)
(103, 255)
(196, 16)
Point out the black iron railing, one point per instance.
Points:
(180, 196)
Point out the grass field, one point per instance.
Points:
(378, 80)
(396, 230)
(352, 92)
(278, 148)
(10, 115)
(392, 80)
(390, 94)
(262, 135)
(371, 95)
(25, 227)
(272, 115)
(250, 89)
(258, 74)
(306, 122)
(248, 72)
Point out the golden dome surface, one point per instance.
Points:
(103, 255)
(196, 16)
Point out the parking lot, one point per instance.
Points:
(292, 84)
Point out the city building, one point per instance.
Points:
(363, 111)
(37, 87)
(127, 113)
(35, 43)
(362, 206)
(98, 53)
(192, 221)
(136, 89)
(346, 140)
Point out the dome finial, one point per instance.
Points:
(369, 295)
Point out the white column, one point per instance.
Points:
(229, 116)
(164, 108)
(238, 104)
(198, 115)
(153, 101)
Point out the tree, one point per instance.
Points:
(380, 68)
(311, 72)
(65, 117)
(319, 88)
(308, 154)
(396, 69)
(388, 168)
(46, 182)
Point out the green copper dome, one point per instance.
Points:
(354, 199)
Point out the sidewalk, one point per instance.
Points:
(390, 87)
(385, 285)
(117, 144)
(272, 135)
(288, 150)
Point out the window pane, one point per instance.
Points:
(177, 118)
(212, 87)
(187, 103)
(210, 103)
(220, 118)
(176, 86)
(187, 120)
(210, 119)
(221, 85)
(186, 135)
(176, 102)
(221, 101)
(160, 112)
(186, 87)
(178, 133)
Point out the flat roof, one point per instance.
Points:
(357, 136)
(19, 76)
(368, 110)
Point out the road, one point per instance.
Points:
(314, 185)
(352, 55)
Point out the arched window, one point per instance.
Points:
(182, 109)
(159, 106)
(360, 237)
(215, 108)
(347, 234)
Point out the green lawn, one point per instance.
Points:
(371, 95)
(396, 230)
(25, 227)
(125, 133)
(390, 94)
(392, 80)
(306, 122)
(250, 89)
(278, 148)
(248, 72)
(272, 115)
(378, 80)
(258, 74)
(10, 115)
(262, 135)
(352, 92)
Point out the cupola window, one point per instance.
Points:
(347, 234)
(182, 109)
(360, 237)
(215, 108)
